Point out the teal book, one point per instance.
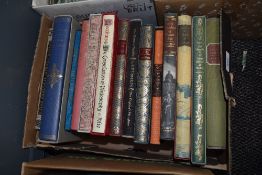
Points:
(71, 90)
(198, 124)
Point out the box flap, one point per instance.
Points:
(80, 10)
(34, 84)
(109, 164)
(225, 39)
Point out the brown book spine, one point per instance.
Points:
(157, 87)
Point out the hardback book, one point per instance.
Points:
(105, 76)
(80, 77)
(169, 77)
(131, 77)
(216, 103)
(90, 76)
(56, 89)
(183, 89)
(157, 86)
(119, 79)
(198, 124)
(70, 99)
(144, 86)
(44, 78)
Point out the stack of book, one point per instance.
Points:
(116, 77)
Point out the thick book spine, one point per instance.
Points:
(131, 78)
(157, 86)
(216, 104)
(90, 76)
(104, 93)
(198, 154)
(144, 87)
(78, 96)
(183, 90)
(119, 79)
(70, 100)
(44, 79)
(169, 77)
(56, 89)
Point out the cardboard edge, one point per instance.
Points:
(33, 89)
(109, 164)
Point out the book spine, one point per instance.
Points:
(90, 77)
(216, 104)
(78, 96)
(119, 81)
(198, 124)
(44, 79)
(144, 87)
(157, 86)
(104, 93)
(131, 78)
(69, 108)
(169, 77)
(56, 75)
(183, 90)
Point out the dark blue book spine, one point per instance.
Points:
(56, 72)
(71, 90)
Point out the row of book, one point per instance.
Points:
(122, 78)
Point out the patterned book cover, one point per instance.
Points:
(119, 79)
(44, 78)
(70, 100)
(90, 76)
(198, 154)
(183, 90)
(144, 86)
(131, 77)
(56, 89)
(104, 92)
(216, 103)
(78, 96)
(169, 77)
(157, 86)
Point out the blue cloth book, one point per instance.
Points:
(54, 87)
(70, 100)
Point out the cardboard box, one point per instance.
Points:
(113, 146)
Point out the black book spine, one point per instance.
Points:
(131, 78)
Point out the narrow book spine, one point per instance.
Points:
(144, 87)
(70, 100)
(183, 90)
(157, 87)
(169, 77)
(78, 96)
(216, 104)
(90, 77)
(131, 78)
(104, 93)
(198, 154)
(119, 79)
(44, 79)
(56, 74)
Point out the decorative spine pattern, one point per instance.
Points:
(119, 81)
(144, 85)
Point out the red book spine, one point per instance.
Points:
(105, 78)
(80, 76)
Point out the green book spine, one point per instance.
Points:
(183, 90)
(198, 124)
(216, 104)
